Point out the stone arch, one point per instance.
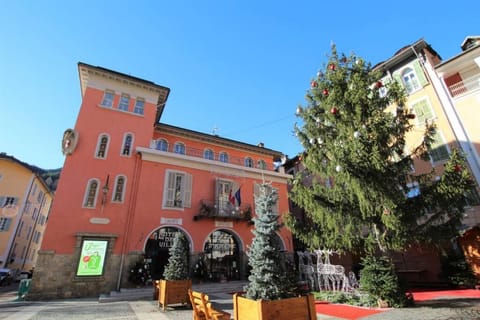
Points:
(157, 246)
(222, 255)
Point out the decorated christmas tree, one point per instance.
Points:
(358, 188)
(177, 266)
(268, 279)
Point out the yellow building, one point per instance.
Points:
(25, 200)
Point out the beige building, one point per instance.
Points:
(25, 200)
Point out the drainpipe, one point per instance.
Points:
(130, 215)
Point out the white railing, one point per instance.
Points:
(465, 86)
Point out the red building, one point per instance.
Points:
(129, 182)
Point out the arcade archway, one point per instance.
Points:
(222, 256)
(157, 249)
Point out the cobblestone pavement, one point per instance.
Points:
(86, 309)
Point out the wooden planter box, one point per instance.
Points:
(173, 292)
(298, 308)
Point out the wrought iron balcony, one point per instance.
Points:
(465, 86)
(223, 210)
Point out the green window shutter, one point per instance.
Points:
(187, 195)
(438, 150)
(423, 111)
(422, 79)
(398, 77)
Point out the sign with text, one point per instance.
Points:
(92, 258)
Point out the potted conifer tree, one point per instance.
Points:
(269, 294)
(173, 288)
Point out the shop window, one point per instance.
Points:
(90, 198)
(178, 190)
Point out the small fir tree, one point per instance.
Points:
(267, 278)
(359, 196)
(177, 266)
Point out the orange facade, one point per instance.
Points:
(130, 182)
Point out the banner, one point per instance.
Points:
(92, 258)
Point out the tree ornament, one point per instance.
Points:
(299, 110)
(378, 84)
(457, 168)
(319, 140)
(312, 140)
(314, 84)
(356, 134)
(325, 92)
(338, 168)
(319, 74)
(332, 67)
(334, 111)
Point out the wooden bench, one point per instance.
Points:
(203, 309)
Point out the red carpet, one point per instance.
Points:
(422, 295)
(345, 311)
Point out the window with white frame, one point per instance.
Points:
(248, 162)
(178, 190)
(208, 154)
(257, 190)
(108, 96)
(139, 106)
(90, 198)
(261, 164)
(5, 223)
(438, 149)
(118, 194)
(127, 144)
(228, 199)
(179, 148)
(102, 146)
(161, 144)
(124, 101)
(223, 157)
(410, 80)
(423, 111)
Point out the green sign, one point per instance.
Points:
(92, 258)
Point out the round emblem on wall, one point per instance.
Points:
(69, 141)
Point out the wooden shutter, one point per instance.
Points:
(169, 193)
(423, 111)
(422, 79)
(187, 191)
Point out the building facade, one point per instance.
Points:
(25, 201)
(130, 182)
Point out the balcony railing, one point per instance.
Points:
(465, 86)
(214, 157)
(217, 209)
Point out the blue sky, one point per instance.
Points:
(242, 67)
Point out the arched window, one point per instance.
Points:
(261, 164)
(127, 144)
(223, 157)
(90, 198)
(102, 146)
(179, 148)
(208, 154)
(119, 190)
(410, 80)
(161, 144)
(248, 162)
